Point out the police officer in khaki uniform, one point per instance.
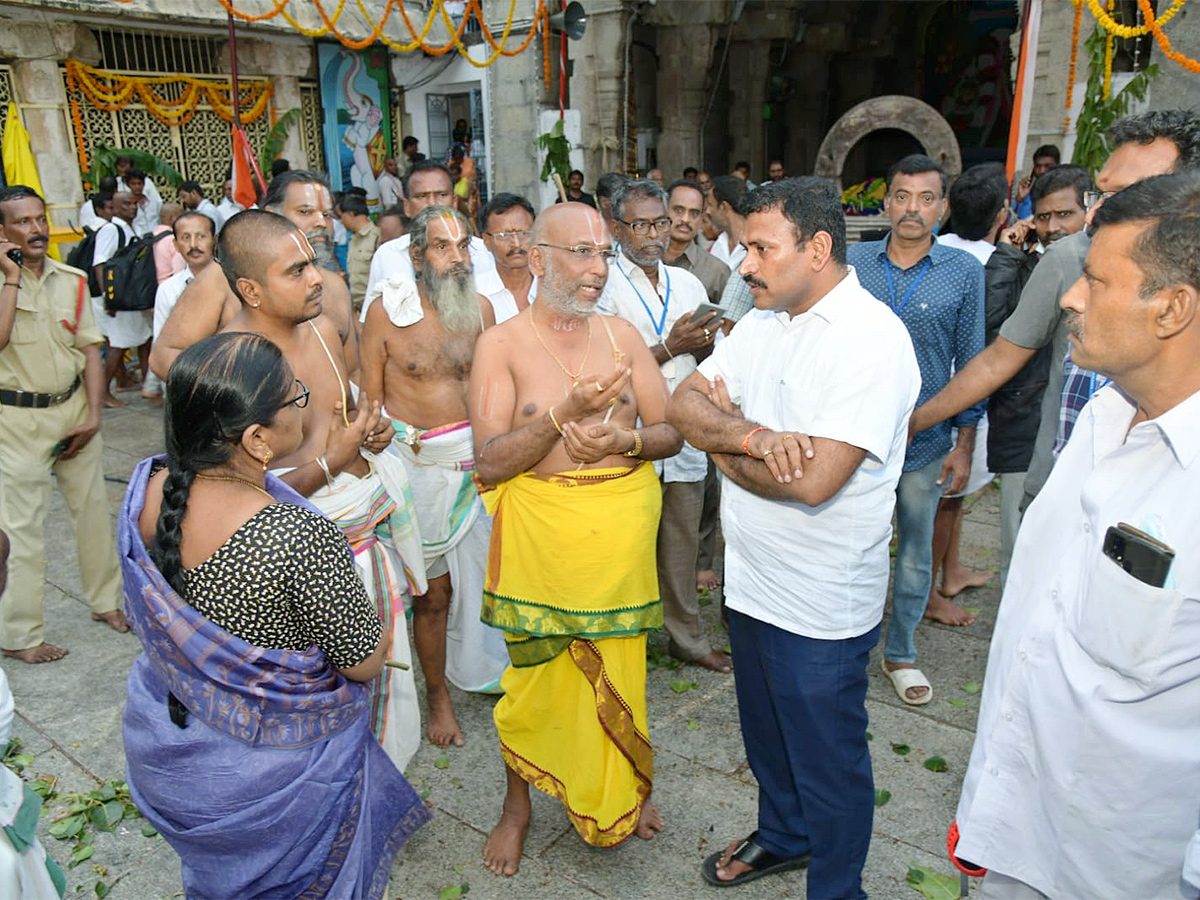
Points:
(51, 382)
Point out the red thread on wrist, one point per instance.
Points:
(752, 433)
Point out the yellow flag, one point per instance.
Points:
(19, 165)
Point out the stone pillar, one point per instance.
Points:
(515, 94)
(748, 68)
(684, 53)
(287, 96)
(40, 96)
(598, 88)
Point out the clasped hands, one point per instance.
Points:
(368, 429)
(590, 397)
(783, 452)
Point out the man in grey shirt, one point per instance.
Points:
(1149, 143)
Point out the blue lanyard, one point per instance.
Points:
(662, 320)
(911, 289)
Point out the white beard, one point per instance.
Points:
(453, 296)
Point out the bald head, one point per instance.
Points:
(247, 244)
(569, 224)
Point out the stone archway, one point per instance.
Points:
(906, 114)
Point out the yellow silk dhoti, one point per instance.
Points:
(572, 582)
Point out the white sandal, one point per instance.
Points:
(904, 680)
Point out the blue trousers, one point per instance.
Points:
(917, 497)
(802, 703)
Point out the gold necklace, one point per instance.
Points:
(245, 481)
(574, 376)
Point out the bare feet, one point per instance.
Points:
(111, 402)
(650, 822)
(715, 661)
(443, 728)
(42, 653)
(707, 580)
(115, 619)
(954, 583)
(127, 388)
(942, 610)
(154, 399)
(502, 849)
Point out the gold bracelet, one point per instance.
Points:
(324, 465)
(636, 449)
(554, 421)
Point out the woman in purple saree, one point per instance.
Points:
(246, 736)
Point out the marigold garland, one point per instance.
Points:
(1116, 29)
(110, 91)
(1109, 40)
(1163, 41)
(1074, 60)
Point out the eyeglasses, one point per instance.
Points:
(1091, 198)
(510, 237)
(643, 226)
(300, 400)
(586, 253)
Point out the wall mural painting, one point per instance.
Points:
(354, 95)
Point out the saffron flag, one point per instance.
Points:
(20, 167)
(247, 179)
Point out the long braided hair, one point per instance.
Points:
(216, 389)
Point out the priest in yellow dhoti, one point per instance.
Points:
(567, 409)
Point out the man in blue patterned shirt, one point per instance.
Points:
(937, 292)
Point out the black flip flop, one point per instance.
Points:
(761, 862)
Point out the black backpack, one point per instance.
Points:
(84, 252)
(130, 277)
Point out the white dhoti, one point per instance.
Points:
(126, 330)
(377, 515)
(455, 528)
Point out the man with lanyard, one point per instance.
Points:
(660, 301)
(937, 291)
(49, 349)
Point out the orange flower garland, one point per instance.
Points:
(1074, 60)
(1163, 41)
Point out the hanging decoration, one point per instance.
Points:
(472, 12)
(1163, 42)
(1071, 70)
(1109, 40)
(111, 91)
(1152, 25)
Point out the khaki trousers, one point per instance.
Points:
(678, 545)
(26, 438)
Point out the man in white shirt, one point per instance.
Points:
(195, 240)
(146, 217)
(191, 195)
(724, 207)
(391, 189)
(90, 216)
(660, 302)
(1085, 776)
(428, 183)
(122, 330)
(228, 207)
(806, 558)
(124, 165)
(507, 230)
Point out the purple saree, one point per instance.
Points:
(275, 787)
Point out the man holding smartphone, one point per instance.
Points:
(661, 302)
(51, 384)
(1085, 776)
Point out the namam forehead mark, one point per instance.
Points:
(454, 228)
(302, 245)
(311, 194)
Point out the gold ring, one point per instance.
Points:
(788, 437)
(707, 336)
(767, 453)
(599, 389)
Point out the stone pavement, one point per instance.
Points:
(69, 719)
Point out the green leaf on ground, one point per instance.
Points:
(955, 702)
(149, 830)
(971, 687)
(901, 749)
(933, 885)
(870, 737)
(44, 786)
(442, 762)
(882, 797)
(107, 816)
(704, 598)
(936, 764)
(682, 685)
(693, 725)
(727, 649)
(454, 891)
(108, 792)
(67, 828)
(973, 610)
(81, 854)
(102, 890)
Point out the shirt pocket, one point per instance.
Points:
(1124, 624)
(796, 407)
(28, 328)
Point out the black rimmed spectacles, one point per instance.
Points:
(300, 400)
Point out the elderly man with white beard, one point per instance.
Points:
(417, 346)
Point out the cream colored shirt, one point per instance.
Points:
(358, 261)
(50, 330)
